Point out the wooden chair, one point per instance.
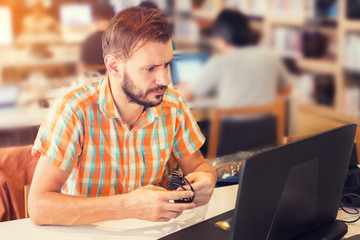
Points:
(277, 109)
(17, 167)
(26, 198)
(97, 68)
(289, 139)
(357, 140)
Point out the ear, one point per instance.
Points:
(113, 65)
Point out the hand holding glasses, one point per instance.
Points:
(176, 181)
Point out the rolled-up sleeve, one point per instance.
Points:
(59, 138)
(188, 138)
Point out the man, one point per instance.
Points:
(242, 75)
(91, 51)
(104, 146)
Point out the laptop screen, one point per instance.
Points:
(185, 67)
(297, 206)
(8, 96)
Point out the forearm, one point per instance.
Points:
(202, 177)
(149, 203)
(197, 163)
(52, 208)
(207, 168)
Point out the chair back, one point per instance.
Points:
(17, 167)
(273, 114)
(96, 68)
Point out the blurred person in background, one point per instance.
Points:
(148, 4)
(240, 74)
(39, 21)
(91, 53)
(91, 50)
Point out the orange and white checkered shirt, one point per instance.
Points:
(84, 135)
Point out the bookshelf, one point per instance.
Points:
(316, 114)
(288, 19)
(285, 20)
(351, 25)
(317, 66)
(298, 20)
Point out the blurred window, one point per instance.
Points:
(6, 32)
(76, 15)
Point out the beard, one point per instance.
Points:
(137, 96)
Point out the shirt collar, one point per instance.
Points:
(106, 101)
(155, 112)
(108, 107)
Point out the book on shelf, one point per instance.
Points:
(352, 52)
(254, 8)
(286, 42)
(351, 101)
(293, 8)
(293, 42)
(315, 88)
(304, 88)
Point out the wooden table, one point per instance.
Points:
(222, 200)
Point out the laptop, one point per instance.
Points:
(289, 192)
(8, 96)
(185, 67)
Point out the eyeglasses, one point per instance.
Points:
(176, 181)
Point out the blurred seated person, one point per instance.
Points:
(39, 21)
(91, 50)
(148, 4)
(241, 74)
(205, 11)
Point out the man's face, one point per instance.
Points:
(145, 76)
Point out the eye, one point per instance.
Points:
(169, 63)
(149, 69)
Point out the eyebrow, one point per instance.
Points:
(157, 65)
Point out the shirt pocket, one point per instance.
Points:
(155, 165)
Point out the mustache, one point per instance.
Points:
(158, 88)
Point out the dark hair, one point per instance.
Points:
(102, 11)
(134, 26)
(233, 26)
(148, 4)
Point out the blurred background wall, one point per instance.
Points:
(41, 53)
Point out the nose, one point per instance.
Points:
(162, 79)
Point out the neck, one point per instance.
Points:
(129, 111)
(227, 48)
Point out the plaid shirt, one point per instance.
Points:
(84, 135)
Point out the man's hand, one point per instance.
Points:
(184, 90)
(203, 184)
(201, 175)
(151, 203)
